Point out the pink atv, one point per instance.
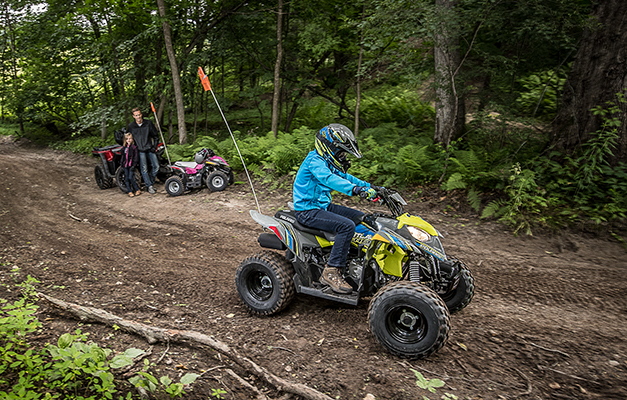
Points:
(207, 169)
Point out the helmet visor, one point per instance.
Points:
(345, 139)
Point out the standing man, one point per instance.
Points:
(146, 139)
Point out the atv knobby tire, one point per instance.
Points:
(217, 181)
(174, 185)
(458, 298)
(102, 180)
(265, 282)
(120, 178)
(409, 319)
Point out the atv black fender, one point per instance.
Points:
(270, 241)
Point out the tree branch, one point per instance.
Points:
(155, 334)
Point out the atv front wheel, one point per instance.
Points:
(217, 181)
(409, 319)
(102, 180)
(264, 282)
(174, 185)
(458, 298)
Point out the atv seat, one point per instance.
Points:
(288, 215)
(106, 148)
(190, 166)
(186, 164)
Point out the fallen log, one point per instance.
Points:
(155, 334)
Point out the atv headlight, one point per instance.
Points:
(419, 234)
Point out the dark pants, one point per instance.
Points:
(129, 178)
(336, 219)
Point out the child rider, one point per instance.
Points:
(322, 171)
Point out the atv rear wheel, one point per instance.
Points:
(102, 180)
(217, 181)
(120, 178)
(458, 298)
(174, 185)
(409, 319)
(264, 282)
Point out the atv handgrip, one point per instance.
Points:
(367, 193)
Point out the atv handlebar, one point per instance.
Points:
(391, 198)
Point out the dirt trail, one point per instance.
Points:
(547, 320)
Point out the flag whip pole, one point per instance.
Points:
(204, 79)
(152, 107)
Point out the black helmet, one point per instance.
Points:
(202, 155)
(333, 142)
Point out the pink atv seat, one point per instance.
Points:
(192, 171)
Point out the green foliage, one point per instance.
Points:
(396, 105)
(83, 145)
(70, 369)
(152, 384)
(267, 155)
(316, 113)
(526, 202)
(431, 385)
(7, 129)
(217, 393)
(557, 190)
(395, 156)
(540, 97)
(73, 368)
(596, 190)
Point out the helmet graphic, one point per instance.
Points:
(333, 142)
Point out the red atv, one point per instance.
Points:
(105, 171)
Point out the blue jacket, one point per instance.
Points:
(316, 179)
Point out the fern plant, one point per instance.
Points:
(525, 205)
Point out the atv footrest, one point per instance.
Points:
(325, 292)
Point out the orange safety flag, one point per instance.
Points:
(204, 79)
(152, 107)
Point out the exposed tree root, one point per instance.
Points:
(155, 334)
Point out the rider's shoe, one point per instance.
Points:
(130, 194)
(137, 193)
(333, 278)
(151, 190)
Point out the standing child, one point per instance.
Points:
(130, 159)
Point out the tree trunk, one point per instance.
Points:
(599, 72)
(359, 75)
(277, 71)
(176, 79)
(450, 109)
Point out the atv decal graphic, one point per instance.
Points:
(389, 236)
(361, 239)
(291, 240)
(435, 253)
